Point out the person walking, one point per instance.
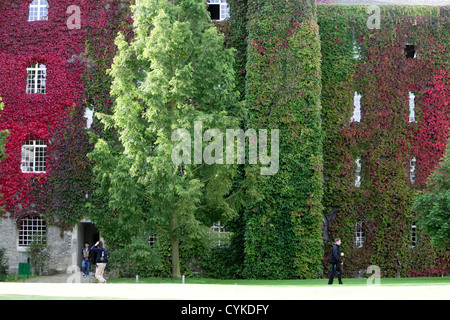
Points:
(86, 255)
(101, 260)
(336, 262)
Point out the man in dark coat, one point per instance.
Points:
(336, 262)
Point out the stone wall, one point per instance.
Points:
(62, 245)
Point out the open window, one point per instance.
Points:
(410, 51)
(38, 10)
(218, 9)
(34, 154)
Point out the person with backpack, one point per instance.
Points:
(336, 262)
(101, 260)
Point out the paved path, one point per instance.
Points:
(62, 278)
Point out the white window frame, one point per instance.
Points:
(413, 236)
(34, 155)
(412, 106)
(151, 239)
(358, 169)
(89, 115)
(357, 51)
(219, 229)
(356, 117)
(415, 50)
(37, 78)
(412, 170)
(30, 229)
(38, 10)
(224, 8)
(359, 234)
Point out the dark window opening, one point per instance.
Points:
(214, 10)
(410, 51)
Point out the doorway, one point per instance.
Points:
(87, 232)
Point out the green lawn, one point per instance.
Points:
(429, 285)
(306, 282)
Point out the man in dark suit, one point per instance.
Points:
(336, 262)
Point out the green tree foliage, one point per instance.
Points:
(433, 203)
(174, 71)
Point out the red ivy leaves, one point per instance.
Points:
(44, 116)
(434, 123)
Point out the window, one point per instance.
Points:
(89, 115)
(356, 108)
(412, 105)
(38, 10)
(36, 81)
(32, 229)
(359, 235)
(34, 156)
(413, 235)
(151, 239)
(412, 170)
(410, 51)
(218, 235)
(357, 55)
(358, 172)
(218, 9)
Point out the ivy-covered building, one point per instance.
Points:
(359, 94)
(45, 177)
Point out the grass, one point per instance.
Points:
(392, 288)
(294, 282)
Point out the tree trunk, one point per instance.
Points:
(175, 247)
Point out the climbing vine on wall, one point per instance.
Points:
(374, 64)
(56, 117)
(283, 232)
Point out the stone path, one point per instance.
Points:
(62, 278)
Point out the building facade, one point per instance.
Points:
(377, 121)
(41, 66)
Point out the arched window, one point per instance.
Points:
(32, 229)
(37, 78)
(34, 154)
(38, 10)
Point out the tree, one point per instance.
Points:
(433, 203)
(174, 71)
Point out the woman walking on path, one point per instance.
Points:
(101, 260)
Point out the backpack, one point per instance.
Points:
(105, 256)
